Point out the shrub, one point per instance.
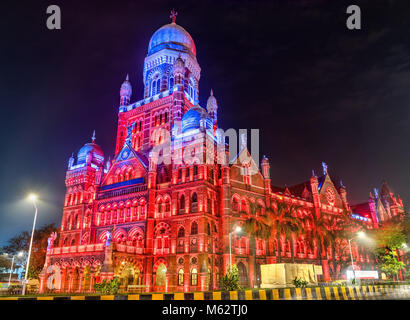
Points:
(300, 283)
(108, 287)
(230, 281)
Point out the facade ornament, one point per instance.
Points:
(50, 241)
(71, 161)
(173, 15)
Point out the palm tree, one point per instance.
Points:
(319, 234)
(255, 227)
(282, 220)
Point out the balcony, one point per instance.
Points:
(128, 249)
(78, 249)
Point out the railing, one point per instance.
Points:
(129, 249)
(78, 249)
(120, 192)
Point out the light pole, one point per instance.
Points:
(32, 198)
(12, 265)
(361, 235)
(237, 229)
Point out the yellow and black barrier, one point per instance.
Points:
(369, 292)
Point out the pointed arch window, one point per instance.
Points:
(194, 228)
(182, 205)
(194, 277)
(181, 232)
(181, 277)
(194, 202)
(171, 83)
(158, 86)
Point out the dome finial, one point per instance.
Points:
(173, 15)
(93, 137)
(212, 92)
(127, 78)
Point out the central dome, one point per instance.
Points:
(171, 36)
(93, 150)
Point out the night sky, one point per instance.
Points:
(316, 90)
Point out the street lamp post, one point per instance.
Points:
(351, 259)
(361, 234)
(32, 198)
(11, 270)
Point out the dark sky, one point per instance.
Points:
(316, 90)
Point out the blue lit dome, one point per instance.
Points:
(92, 149)
(192, 119)
(172, 36)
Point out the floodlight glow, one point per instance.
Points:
(32, 197)
(361, 234)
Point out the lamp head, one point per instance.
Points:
(32, 197)
(361, 234)
(238, 229)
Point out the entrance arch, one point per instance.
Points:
(243, 275)
(160, 277)
(129, 274)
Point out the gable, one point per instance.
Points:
(127, 165)
(328, 194)
(237, 169)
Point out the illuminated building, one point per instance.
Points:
(168, 224)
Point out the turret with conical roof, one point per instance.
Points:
(125, 92)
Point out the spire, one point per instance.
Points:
(324, 166)
(212, 93)
(93, 137)
(314, 174)
(173, 15)
(376, 192)
(127, 78)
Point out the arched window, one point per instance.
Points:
(181, 232)
(235, 205)
(158, 86)
(194, 202)
(195, 170)
(181, 277)
(166, 116)
(194, 228)
(153, 87)
(182, 204)
(167, 206)
(208, 229)
(194, 198)
(171, 83)
(194, 277)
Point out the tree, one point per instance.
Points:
(340, 227)
(283, 221)
(230, 281)
(21, 242)
(255, 227)
(389, 238)
(319, 233)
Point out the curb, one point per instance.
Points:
(376, 292)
